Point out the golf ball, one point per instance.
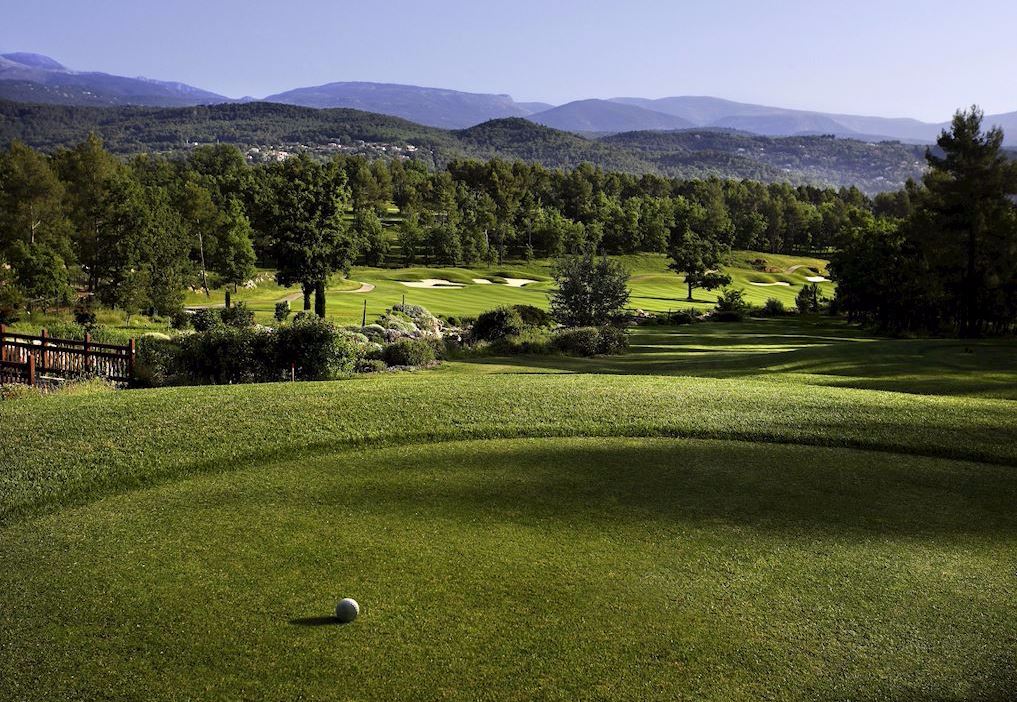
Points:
(347, 610)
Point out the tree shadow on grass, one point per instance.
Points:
(767, 487)
(834, 354)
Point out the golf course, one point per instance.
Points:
(773, 509)
(470, 291)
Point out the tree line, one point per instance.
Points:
(942, 257)
(134, 234)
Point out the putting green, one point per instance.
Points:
(596, 568)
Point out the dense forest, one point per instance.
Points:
(814, 160)
(135, 233)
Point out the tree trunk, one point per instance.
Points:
(690, 292)
(204, 275)
(306, 289)
(319, 299)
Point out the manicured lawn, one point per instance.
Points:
(779, 509)
(653, 288)
(519, 569)
(816, 351)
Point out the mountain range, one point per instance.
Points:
(26, 77)
(270, 131)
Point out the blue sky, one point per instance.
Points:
(892, 58)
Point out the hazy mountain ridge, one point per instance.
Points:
(434, 107)
(60, 85)
(30, 77)
(607, 116)
(275, 129)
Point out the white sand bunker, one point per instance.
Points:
(767, 285)
(817, 279)
(518, 282)
(432, 283)
(482, 281)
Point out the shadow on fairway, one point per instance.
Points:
(316, 621)
(821, 353)
(770, 488)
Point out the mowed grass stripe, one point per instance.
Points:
(66, 450)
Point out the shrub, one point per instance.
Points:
(409, 352)
(282, 311)
(612, 340)
(238, 316)
(372, 365)
(421, 318)
(84, 315)
(316, 349)
(533, 316)
(731, 306)
(157, 361)
(11, 299)
(398, 323)
(774, 308)
(497, 324)
(205, 319)
(577, 341)
(181, 319)
(227, 355)
(689, 316)
(532, 340)
(460, 321)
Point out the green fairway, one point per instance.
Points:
(784, 509)
(555, 569)
(654, 288)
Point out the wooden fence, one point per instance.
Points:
(39, 360)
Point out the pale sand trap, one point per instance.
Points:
(482, 281)
(767, 285)
(432, 283)
(817, 279)
(518, 282)
(792, 269)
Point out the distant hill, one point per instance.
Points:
(277, 128)
(522, 139)
(435, 107)
(600, 116)
(705, 111)
(36, 78)
(803, 159)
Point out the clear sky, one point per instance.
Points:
(918, 58)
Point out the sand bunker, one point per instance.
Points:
(518, 282)
(817, 279)
(432, 283)
(767, 285)
(482, 281)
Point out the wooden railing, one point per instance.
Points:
(35, 360)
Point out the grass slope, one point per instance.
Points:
(731, 512)
(527, 569)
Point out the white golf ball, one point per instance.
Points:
(347, 610)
